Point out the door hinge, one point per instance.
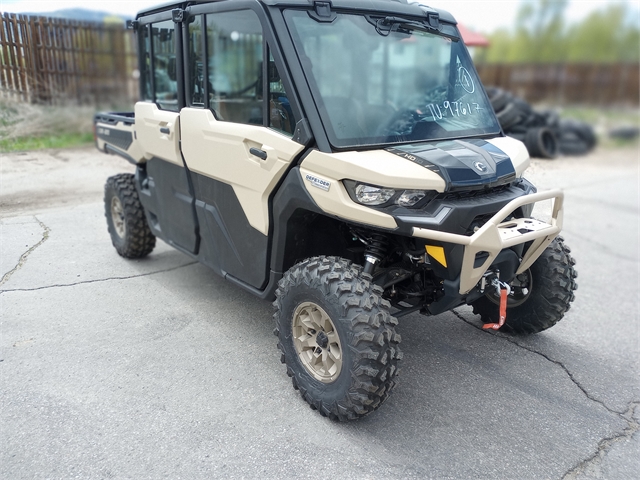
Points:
(323, 11)
(177, 15)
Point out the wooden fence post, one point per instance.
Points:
(52, 61)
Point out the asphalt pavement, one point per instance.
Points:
(157, 368)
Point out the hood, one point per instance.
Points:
(462, 164)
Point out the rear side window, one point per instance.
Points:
(196, 62)
(235, 56)
(158, 65)
(145, 65)
(163, 39)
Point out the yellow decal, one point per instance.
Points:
(437, 253)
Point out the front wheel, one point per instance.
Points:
(337, 337)
(539, 297)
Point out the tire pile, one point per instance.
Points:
(544, 134)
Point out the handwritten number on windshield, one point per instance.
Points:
(457, 108)
(453, 109)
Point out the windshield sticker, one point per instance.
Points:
(466, 80)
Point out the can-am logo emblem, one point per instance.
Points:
(481, 167)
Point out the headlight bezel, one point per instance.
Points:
(394, 199)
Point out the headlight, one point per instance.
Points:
(382, 196)
(410, 197)
(370, 195)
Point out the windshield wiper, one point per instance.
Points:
(386, 25)
(432, 23)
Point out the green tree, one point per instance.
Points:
(605, 36)
(541, 35)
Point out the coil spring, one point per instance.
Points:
(377, 246)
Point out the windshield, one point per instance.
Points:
(376, 86)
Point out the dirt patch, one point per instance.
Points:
(31, 182)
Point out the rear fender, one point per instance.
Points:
(115, 134)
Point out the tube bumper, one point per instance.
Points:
(497, 234)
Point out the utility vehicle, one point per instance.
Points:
(342, 159)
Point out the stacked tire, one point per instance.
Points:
(544, 134)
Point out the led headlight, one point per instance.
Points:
(370, 195)
(410, 197)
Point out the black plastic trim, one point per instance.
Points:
(165, 192)
(460, 209)
(114, 137)
(381, 6)
(112, 118)
(180, 54)
(292, 196)
(114, 151)
(229, 244)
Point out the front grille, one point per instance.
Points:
(472, 194)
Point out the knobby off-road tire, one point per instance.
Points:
(550, 283)
(126, 221)
(336, 337)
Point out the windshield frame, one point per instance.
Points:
(447, 31)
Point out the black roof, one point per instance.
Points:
(406, 7)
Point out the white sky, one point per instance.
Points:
(480, 15)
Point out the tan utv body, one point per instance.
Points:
(342, 159)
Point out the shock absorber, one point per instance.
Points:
(375, 251)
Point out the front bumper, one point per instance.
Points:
(498, 233)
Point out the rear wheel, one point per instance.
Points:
(126, 221)
(336, 337)
(539, 297)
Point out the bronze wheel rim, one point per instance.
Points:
(317, 342)
(117, 216)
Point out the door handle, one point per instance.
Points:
(258, 153)
(165, 130)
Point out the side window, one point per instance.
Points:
(196, 62)
(145, 64)
(280, 113)
(235, 56)
(164, 65)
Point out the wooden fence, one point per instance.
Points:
(567, 84)
(57, 61)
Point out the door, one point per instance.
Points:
(236, 139)
(165, 191)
